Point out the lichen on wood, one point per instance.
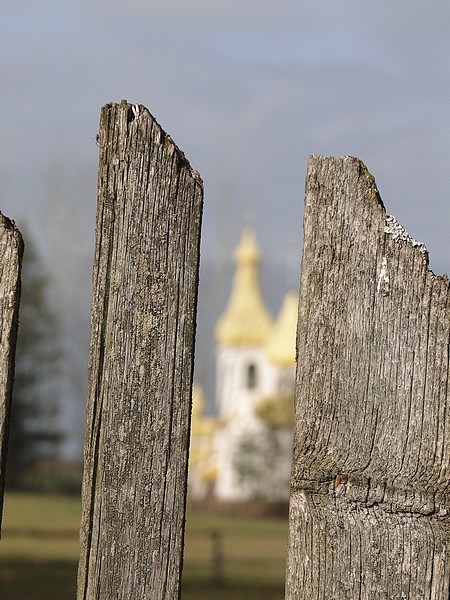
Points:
(369, 509)
(145, 284)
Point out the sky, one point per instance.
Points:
(248, 91)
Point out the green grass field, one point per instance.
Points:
(225, 557)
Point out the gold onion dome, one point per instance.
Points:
(198, 400)
(245, 320)
(280, 346)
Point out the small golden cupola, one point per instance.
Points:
(280, 346)
(246, 320)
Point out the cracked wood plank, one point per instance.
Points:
(140, 361)
(11, 253)
(369, 509)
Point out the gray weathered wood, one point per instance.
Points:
(369, 510)
(11, 252)
(140, 361)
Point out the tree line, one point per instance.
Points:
(36, 432)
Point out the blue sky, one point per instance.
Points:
(247, 90)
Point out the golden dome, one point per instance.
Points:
(245, 320)
(198, 400)
(280, 346)
(202, 429)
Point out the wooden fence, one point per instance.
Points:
(369, 508)
(11, 253)
(369, 490)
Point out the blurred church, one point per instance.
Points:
(244, 452)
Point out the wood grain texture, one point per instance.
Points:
(140, 361)
(369, 510)
(11, 253)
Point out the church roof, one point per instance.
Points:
(280, 345)
(246, 320)
(198, 400)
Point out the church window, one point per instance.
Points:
(251, 376)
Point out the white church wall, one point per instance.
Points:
(237, 388)
(252, 461)
(243, 378)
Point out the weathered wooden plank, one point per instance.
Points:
(11, 253)
(140, 361)
(369, 510)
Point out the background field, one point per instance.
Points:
(225, 557)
